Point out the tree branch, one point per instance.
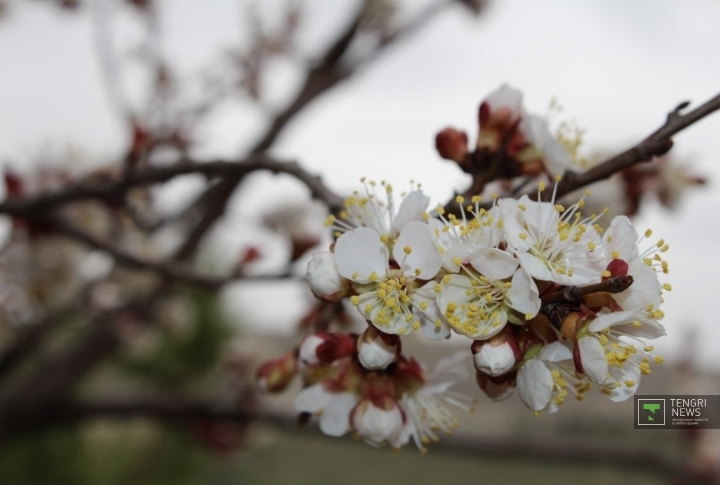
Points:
(112, 190)
(658, 143)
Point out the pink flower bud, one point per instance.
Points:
(451, 144)
(324, 347)
(275, 375)
(497, 388)
(377, 350)
(377, 417)
(497, 355)
(324, 279)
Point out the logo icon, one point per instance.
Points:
(651, 412)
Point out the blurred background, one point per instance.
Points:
(349, 89)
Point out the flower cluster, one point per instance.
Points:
(364, 384)
(554, 303)
(524, 141)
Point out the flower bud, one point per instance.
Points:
(497, 388)
(275, 375)
(324, 279)
(377, 350)
(451, 144)
(377, 417)
(497, 355)
(324, 347)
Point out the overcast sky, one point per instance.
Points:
(617, 67)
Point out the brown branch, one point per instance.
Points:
(658, 143)
(113, 190)
(329, 72)
(573, 293)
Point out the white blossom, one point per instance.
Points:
(612, 355)
(392, 299)
(548, 377)
(551, 246)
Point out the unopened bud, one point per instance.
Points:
(324, 347)
(497, 355)
(324, 279)
(275, 375)
(451, 144)
(617, 267)
(497, 388)
(377, 350)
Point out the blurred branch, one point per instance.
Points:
(329, 72)
(113, 190)
(658, 143)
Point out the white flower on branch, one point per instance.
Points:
(396, 300)
(552, 243)
(548, 376)
(369, 211)
(613, 362)
(479, 303)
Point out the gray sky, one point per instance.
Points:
(617, 67)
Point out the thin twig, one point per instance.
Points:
(112, 190)
(658, 143)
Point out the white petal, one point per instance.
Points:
(624, 237)
(523, 294)
(505, 97)
(555, 352)
(645, 290)
(648, 328)
(592, 356)
(361, 251)
(431, 314)
(453, 254)
(324, 279)
(608, 320)
(376, 355)
(424, 254)
(312, 399)
(335, 419)
(448, 372)
(512, 229)
(411, 209)
(495, 361)
(494, 263)
(535, 384)
(535, 267)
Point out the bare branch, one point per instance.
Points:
(112, 190)
(658, 143)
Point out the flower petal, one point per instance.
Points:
(312, 399)
(431, 314)
(535, 384)
(555, 352)
(494, 263)
(411, 209)
(622, 237)
(523, 295)
(335, 419)
(592, 356)
(359, 253)
(424, 255)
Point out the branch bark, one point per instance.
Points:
(657, 143)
